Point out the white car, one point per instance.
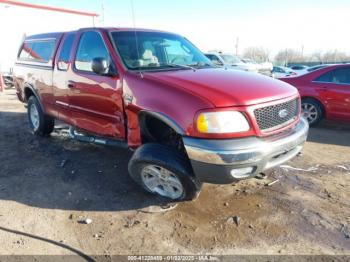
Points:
(299, 69)
(231, 61)
(316, 67)
(281, 71)
(264, 68)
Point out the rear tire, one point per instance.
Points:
(312, 111)
(39, 123)
(165, 171)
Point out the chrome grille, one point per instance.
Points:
(273, 117)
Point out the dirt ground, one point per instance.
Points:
(49, 185)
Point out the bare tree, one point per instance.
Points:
(332, 56)
(258, 54)
(289, 55)
(316, 56)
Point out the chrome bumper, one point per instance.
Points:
(213, 160)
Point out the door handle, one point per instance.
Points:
(71, 84)
(323, 88)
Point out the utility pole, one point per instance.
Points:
(236, 45)
(102, 13)
(302, 50)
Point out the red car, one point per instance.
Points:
(188, 121)
(325, 93)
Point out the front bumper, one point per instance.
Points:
(225, 161)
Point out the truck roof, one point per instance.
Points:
(44, 36)
(56, 35)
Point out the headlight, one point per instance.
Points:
(222, 122)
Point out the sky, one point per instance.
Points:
(217, 24)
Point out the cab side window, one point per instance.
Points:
(341, 76)
(337, 76)
(327, 77)
(63, 58)
(91, 46)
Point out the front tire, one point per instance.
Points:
(40, 124)
(165, 171)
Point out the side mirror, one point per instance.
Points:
(99, 66)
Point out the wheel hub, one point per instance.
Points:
(34, 116)
(162, 181)
(309, 112)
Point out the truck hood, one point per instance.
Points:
(224, 88)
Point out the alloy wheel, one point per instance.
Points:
(34, 116)
(160, 180)
(309, 112)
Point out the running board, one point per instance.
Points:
(95, 140)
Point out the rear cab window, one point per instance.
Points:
(39, 49)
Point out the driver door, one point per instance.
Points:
(95, 100)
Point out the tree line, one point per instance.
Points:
(289, 55)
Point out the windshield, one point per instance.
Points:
(157, 50)
(230, 59)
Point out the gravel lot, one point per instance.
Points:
(49, 185)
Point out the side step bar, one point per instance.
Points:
(95, 140)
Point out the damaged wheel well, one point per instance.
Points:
(157, 129)
(28, 93)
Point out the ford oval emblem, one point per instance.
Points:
(283, 113)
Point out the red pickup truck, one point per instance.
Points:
(154, 92)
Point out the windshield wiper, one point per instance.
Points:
(200, 64)
(162, 66)
(178, 66)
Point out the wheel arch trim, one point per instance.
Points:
(323, 106)
(33, 90)
(164, 118)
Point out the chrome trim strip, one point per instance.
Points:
(40, 39)
(62, 103)
(43, 66)
(324, 82)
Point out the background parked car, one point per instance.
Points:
(231, 61)
(299, 69)
(281, 71)
(8, 80)
(316, 67)
(325, 93)
(264, 68)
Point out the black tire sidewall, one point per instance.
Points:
(169, 158)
